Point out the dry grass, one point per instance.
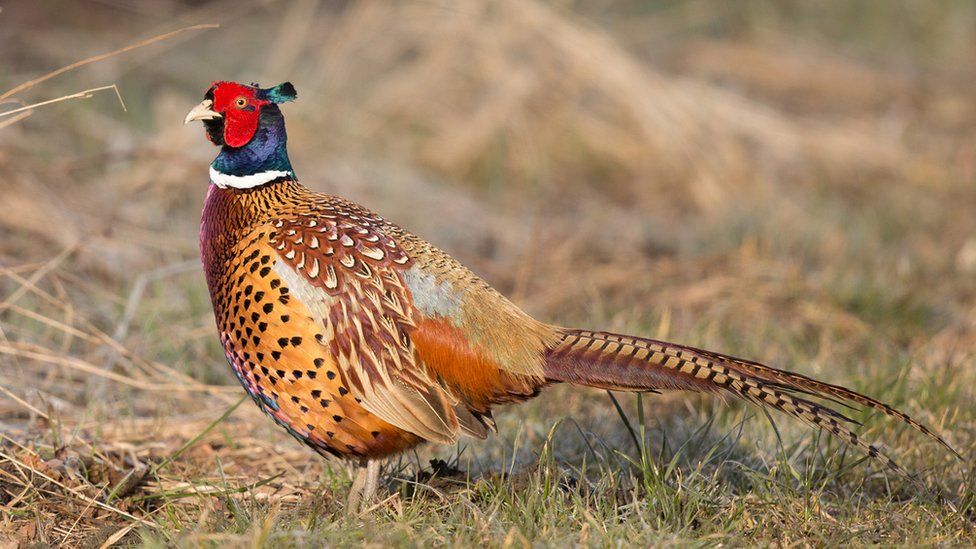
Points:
(781, 180)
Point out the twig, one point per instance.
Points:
(86, 94)
(31, 83)
(14, 120)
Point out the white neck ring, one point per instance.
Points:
(224, 180)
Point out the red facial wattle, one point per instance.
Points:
(241, 109)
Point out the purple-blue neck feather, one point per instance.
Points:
(266, 151)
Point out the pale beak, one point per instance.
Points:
(203, 111)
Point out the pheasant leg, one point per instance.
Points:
(363, 488)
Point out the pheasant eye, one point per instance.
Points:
(241, 102)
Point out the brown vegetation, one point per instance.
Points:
(791, 182)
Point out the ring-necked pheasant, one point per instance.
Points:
(362, 340)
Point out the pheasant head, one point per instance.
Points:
(246, 123)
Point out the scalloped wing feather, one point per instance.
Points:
(348, 275)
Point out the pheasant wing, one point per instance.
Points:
(348, 274)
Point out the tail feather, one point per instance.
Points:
(808, 385)
(621, 362)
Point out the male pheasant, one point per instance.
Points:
(362, 340)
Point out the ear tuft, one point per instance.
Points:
(282, 93)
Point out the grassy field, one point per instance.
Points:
(784, 180)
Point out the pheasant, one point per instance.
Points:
(362, 340)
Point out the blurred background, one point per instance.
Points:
(785, 180)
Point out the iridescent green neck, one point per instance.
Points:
(265, 153)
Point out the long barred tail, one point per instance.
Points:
(628, 363)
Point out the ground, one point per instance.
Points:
(781, 180)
